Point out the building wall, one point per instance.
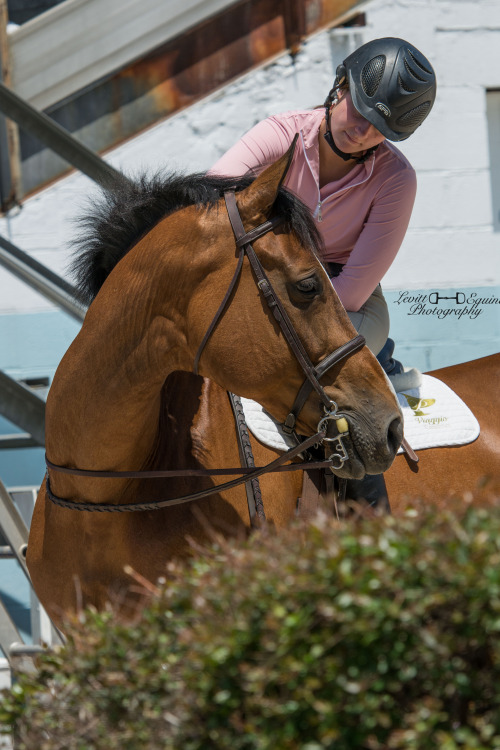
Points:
(451, 244)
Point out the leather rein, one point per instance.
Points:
(312, 372)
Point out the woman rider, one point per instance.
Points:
(359, 187)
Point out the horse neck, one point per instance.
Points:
(107, 390)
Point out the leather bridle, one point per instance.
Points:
(312, 372)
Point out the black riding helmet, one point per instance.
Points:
(391, 84)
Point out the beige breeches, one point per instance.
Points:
(372, 320)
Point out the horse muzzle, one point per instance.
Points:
(355, 449)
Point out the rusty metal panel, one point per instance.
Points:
(222, 48)
(322, 13)
(209, 55)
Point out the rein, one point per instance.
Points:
(313, 374)
(248, 475)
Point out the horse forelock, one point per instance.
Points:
(116, 220)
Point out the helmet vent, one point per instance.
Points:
(420, 64)
(413, 73)
(415, 116)
(404, 86)
(372, 73)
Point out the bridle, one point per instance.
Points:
(313, 374)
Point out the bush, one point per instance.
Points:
(372, 634)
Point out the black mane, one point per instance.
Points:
(117, 220)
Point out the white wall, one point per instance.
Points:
(450, 243)
(451, 240)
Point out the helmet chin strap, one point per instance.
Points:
(343, 155)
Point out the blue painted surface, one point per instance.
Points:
(432, 332)
(436, 335)
(30, 346)
(426, 336)
(33, 344)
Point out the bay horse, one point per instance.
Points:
(158, 257)
(447, 476)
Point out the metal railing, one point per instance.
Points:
(40, 278)
(58, 139)
(19, 404)
(14, 529)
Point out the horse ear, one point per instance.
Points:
(256, 201)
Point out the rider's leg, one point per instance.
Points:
(371, 491)
(390, 365)
(372, 320)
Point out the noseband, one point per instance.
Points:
(312, 372)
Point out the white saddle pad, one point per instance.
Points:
(262, 425)
(433, 416)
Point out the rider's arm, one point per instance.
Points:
(258, 148)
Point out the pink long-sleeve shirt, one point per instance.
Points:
(362, 218)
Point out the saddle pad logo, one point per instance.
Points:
(417, 406)
(435, 416)
(419, 403)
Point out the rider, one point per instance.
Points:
(359, 187)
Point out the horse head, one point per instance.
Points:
(246, 352)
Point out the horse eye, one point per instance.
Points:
(308, 286)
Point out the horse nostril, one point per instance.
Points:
(395, 434)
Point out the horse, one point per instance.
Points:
(156, 257)
(448, 476)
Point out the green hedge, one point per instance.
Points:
(373, 634)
